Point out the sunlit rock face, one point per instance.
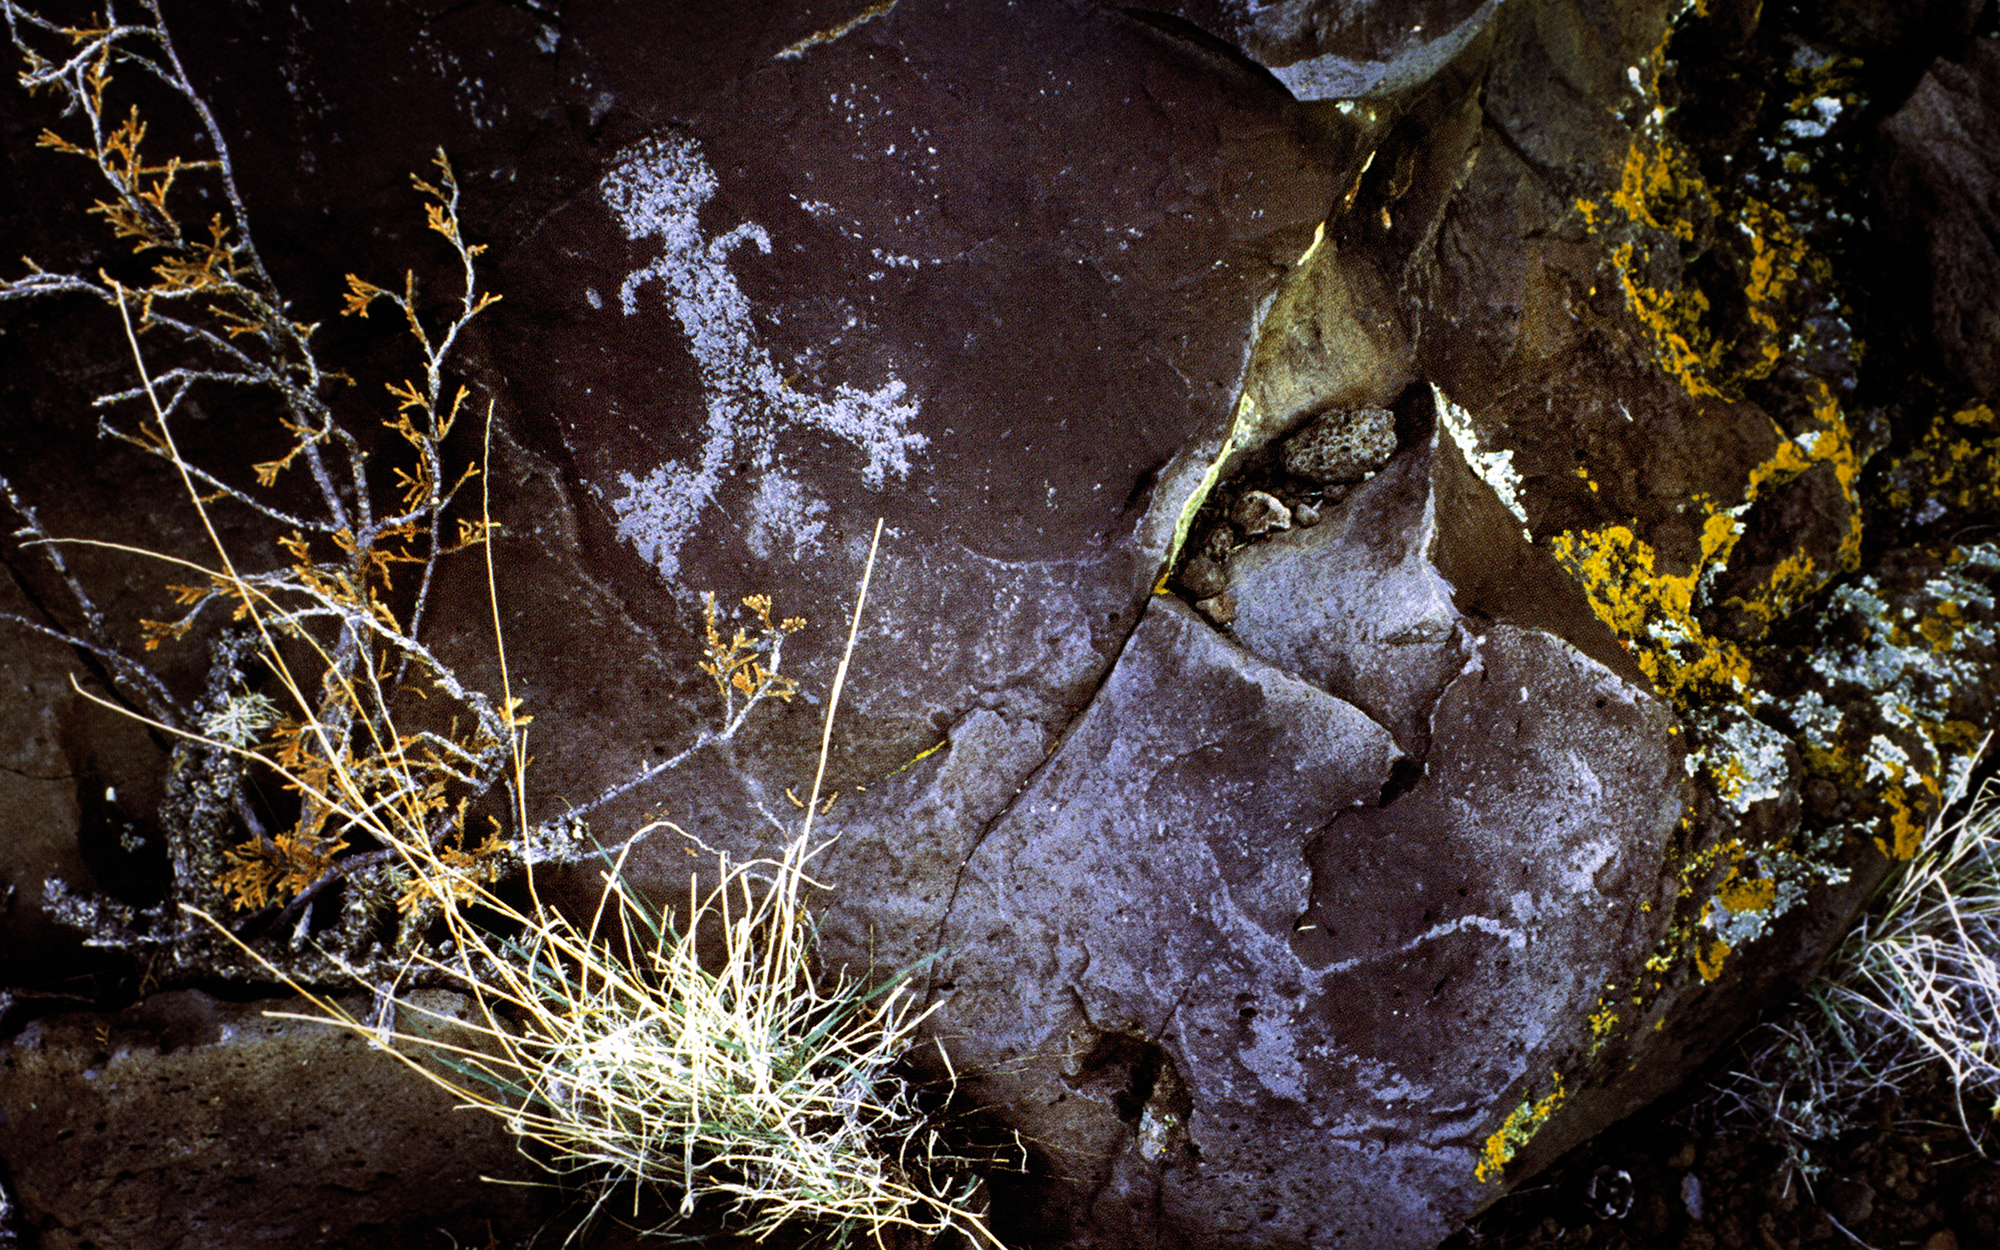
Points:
(1512, 738)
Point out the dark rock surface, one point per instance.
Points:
(1123, 972)
(1341, 52)
(193, 1122)
(1491, 803)
(1939, 169)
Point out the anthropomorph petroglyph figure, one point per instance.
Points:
(656, 190)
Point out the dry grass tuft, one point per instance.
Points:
(705, 1054)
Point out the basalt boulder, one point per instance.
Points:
(1435, 840)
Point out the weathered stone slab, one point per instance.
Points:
(1139, 896)
(197, 1124)
(1193, 981)
(1938, 173)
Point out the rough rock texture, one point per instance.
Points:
(1506, 791)
(1369, 950)
(1937, 180)
(192, 1122)
(1342, 446)
(1340, 52)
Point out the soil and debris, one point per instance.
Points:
(1682, 1176)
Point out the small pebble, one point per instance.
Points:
(1610, 1193)
(1259, 512)
(1851, 1201)
(1203, 578)
(1691, 1195)
(1219, 609)
(1305, 515)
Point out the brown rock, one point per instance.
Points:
(1203, 578)
(1939, 179)
(197, 1124)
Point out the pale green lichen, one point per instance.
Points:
(1912, 653)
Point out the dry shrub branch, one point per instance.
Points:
(754, 1087)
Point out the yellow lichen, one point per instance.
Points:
(1747, 894)
(1602, 1022)
(1522, 1124)
(1709, 958)
(1907, 820)
(1957, 465)
(1674, 320)
(1653, 612)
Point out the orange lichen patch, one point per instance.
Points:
(1603, 1020)
(1746, 894)
(1710, 957)
(1798, 576)
(1956, 467)
(1659, 189)
(1794, 579)
(1652, 611)
(1521, 1126)
(1907, 820)
(1962, 734)
(1657, 186)
(1675, 319)
(1777, 257)
(1655, 612)
(1830, 443)
(1730, 852)
(1834, 765)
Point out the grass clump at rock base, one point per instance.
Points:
(703, 1055)
(1910, 996)
(706, 1055)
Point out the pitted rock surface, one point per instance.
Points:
(1342, 446)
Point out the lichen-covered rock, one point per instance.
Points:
(1452, 828)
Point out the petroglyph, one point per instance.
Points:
(656, 190)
